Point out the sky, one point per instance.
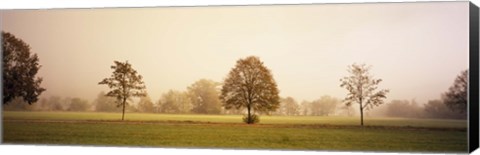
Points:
(416, 48)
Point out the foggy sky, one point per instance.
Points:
(416, 48)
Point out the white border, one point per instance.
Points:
(85, 150)
(82, 150)
(47, 4)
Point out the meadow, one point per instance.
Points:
(227, 131)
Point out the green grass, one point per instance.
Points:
(275, 132)
(237, 119)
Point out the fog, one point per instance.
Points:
(416, 48)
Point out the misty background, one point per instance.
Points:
(416, 48)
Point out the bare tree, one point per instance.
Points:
(361, 88)
(250, 85)
(124, 84)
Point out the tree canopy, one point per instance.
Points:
(124, 83)
(250, 85)
(171, 101)
(20, 68)
(456, 96)
(204, 97)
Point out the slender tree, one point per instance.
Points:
(20, 68)
(456, 96)
(124, 84)
(250, 85)
(361, 88)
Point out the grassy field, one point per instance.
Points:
(218, 131)
(236, 119)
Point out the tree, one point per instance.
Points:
(403, 108)
(324, 106)
(124, 84)
(438, 109)
(20, 68)
(78, 104)
(184, 102)
(289, 106)
(145, 105)
(104, 103)
(361, 88)
(305, 107)
(250, 85)
(456, 96)
(204, 97)
(175, 102)
(18, 104)
(53, 103)
(169, 102)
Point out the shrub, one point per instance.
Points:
(253, 119)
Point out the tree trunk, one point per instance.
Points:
(123, 111)
(249, 118)
(361, 116)
(361, 113)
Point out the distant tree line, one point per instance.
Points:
(330, 106)
(202, 97)
(435, 109)
(248, 89)
(451, 105)
(179, 102)
(324, 106)
(52, 103)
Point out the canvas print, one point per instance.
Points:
(388, 77)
